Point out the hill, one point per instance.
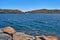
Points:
(9, 11)
(44, 11)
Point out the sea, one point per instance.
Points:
(32, 24)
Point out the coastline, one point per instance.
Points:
(38, 11)
(13, 35)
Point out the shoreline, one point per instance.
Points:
(38, 11)
(13, 35)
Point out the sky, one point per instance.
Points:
(27, 5)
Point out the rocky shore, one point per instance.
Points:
(8, 33)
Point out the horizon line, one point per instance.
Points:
(31, 9)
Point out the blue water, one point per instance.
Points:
(32, 24)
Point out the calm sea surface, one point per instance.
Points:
(33, 24)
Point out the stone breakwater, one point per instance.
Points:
(8, 33)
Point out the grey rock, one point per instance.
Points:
(4, 36)
(1, 30)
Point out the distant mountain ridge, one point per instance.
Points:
(45, 11)
(10, 11)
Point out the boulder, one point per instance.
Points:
(1, 31)
(39, 38)
(22, 36)
(4, 36)
(18, 37)
(8, 30)
(50, 37)
(46, 38)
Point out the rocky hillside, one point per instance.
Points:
(9, 33)
(10, 11)
(45, 11)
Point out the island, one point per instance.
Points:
(10, 11)
(40, 11)
(45, 11)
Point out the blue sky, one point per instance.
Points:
(26, 5)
